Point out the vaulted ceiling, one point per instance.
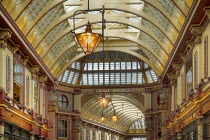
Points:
(126, 106)
(147, 29)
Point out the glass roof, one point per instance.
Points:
(116, 68)
(139, 124)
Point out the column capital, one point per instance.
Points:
(207, 11)
(5, 35)
(196, 30)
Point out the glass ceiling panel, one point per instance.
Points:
(139, 124)
(116, 69)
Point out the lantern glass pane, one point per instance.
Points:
(88, 41)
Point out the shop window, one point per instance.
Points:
(18, 81)
(18, 73)
(62, 128)
(93, 134)
(12, 132)
(63, 101)
(189, 77)
(87, 134)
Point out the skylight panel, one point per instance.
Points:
(90, 66)
(117, 11)
(130, 27)
(117, 78)
(123, 77)
(76, 76)
(134, 65)
(106, 66)
(70, 77)
(78, 65)
(136, 6)
(95, 76)
(101, 78)
(134, 77)
(145, 65)
(73, 65)
(117, 65)
(85, 67)
(106, 76)
(138, 63)
(128, 78)
(140, 78)
(154, 77)
(112, 78)
(100, 66)
(59, 79)
(84, 79)
(149, 77)
(95, 66)
(123, 65)
(111, 65)
(69, 8)
(128, 65)
(136, 20)
(65, 76)
(90, 79)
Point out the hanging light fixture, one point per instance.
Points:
(114, 117)
(88, 41)
(102, 119)
(103, 101)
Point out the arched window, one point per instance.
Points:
(63, 101)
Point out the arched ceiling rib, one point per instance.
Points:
(153, 25)
(127, 108)
(156, 50)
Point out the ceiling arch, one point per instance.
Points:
(92, 111)
(122, 34)
(148, 29)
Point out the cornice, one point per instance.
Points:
(24, 43)
(185, 34)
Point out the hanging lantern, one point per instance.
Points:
(114, 118)
(88, 41)
(102, 118)
(103, 102)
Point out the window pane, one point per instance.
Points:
(95, 66)
(123, 67)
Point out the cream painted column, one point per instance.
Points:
(32, 136)
(4, 36)
(147, 98)
(200, 129)
(1, 131)
(77, 102)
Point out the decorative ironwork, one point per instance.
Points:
(8, 74)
